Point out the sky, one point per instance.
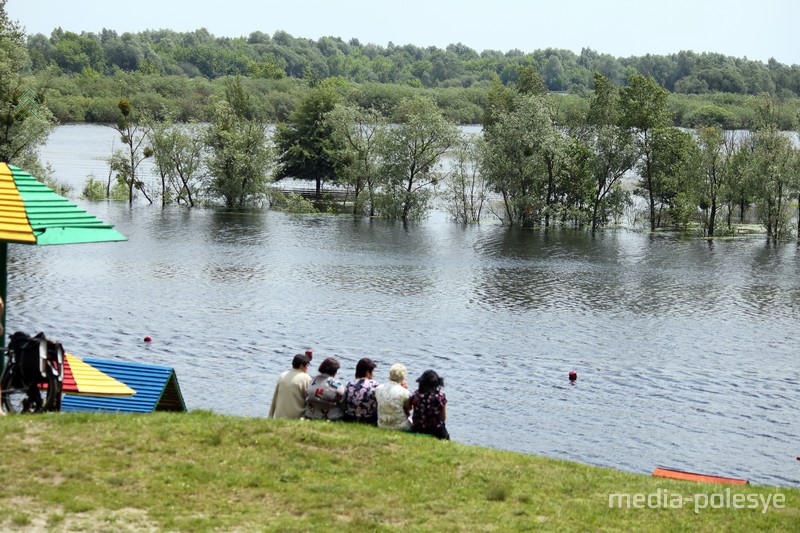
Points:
(758, 30)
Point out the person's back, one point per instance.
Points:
(289, 398)
(429, 406)
(325, 393)
(359, 395)
(391, 398)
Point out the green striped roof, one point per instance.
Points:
(54, 219)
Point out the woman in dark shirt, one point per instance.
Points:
(429, 406)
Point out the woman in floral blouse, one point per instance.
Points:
(428, 404)
(325, 393)
(359, 395)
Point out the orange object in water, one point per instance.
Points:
(691, 476)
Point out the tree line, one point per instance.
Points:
(201, 54)
(84, 74)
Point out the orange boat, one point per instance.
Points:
(671, 473)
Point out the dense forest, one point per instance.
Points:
(199, 53)
(87, 71)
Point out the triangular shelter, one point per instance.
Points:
(156, 389)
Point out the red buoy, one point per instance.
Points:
(147, 338)
(573, 375)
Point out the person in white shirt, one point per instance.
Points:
(391, 398)
(289, 398)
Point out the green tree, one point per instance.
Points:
(554, 75)
(717, 149)
(411, 155)
(239, 159)
(518, 159)
(73, 53)
(575, 192)
(499, 99)
(643, 104)
(551, 146)
(614, 152)
(466, 192)
(773, 169)
(177, 152)
(530, 82)
(133, 134)
(676, 181)
(25, 121)
(307, 148)
(360, 132)
(739, 191)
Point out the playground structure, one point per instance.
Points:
(155, 388)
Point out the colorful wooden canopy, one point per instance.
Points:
(83, 378)
(156, 389)
(31, 213)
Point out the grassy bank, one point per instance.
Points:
(203, 472)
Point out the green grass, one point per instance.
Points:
(205, 472)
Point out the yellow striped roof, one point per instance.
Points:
(92, 381)
(14, 226)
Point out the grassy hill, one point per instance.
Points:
(202, 472)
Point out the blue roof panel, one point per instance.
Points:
(156, 389)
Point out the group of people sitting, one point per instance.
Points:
(387, 405)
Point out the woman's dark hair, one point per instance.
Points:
(329, 366)
(430, 381)
(364, 366)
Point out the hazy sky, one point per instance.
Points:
(755, 29)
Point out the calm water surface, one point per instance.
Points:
(686, 350)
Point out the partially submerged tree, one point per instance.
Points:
(411, 155)
(773, 170)
(465, 190)
(675, 182)
(717, 148)
(178, 151)
(613, 149)
(739, 191)
(521, 159)
(239, 159)
(133, 134)
(358, 132)
(643, 104)
(306, 146)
